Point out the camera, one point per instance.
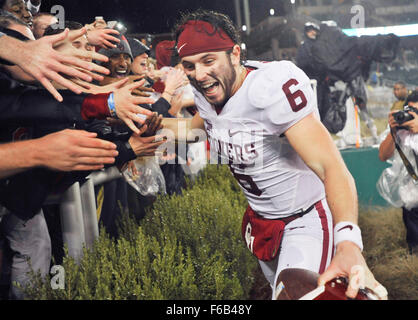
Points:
(403, 115)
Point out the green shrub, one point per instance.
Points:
(188, 246)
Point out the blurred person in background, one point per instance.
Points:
(19, 9)
(41, 22)
(406, 135)
(34, 6)
(400, 91)
(304, 59)
(140, 54)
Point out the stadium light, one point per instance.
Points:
(244, 27)
(401, 31)
(272, 12)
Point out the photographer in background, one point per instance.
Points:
(400, 91)
(404, 125)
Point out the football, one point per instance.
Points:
(301, 284)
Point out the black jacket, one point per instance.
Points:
(37, 113)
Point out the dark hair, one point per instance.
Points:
(216, 19)
(412, 97)
(72, 25)
(401, 83)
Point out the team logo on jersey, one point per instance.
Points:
(233, 132)
(235, 146)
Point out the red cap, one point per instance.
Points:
(163, 53)
(200, 36)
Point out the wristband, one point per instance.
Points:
(346, 230)
(111, 105)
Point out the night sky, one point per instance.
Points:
(154, 16)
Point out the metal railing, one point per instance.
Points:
(78, 212)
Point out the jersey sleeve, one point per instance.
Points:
(284, 93)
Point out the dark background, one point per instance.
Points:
(156, 16)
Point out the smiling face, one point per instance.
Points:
(214, 74)
(140, 64)
(19, 9)
(119, 65)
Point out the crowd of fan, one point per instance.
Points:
(75, 99)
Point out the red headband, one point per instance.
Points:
(200, 36)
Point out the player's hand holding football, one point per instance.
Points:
(348, 262)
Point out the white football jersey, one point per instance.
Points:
(248, 135)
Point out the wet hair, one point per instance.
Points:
(72, 25)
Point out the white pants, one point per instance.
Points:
(307, 243)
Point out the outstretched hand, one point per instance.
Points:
(103, 37)
(145, 146)
(73, 150)
(40, 59)
(127, 105)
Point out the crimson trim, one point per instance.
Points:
(322, 215)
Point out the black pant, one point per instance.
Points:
(114, 203)
(410, 219)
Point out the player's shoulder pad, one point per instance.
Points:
(265, 83)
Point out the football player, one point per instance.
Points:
(262, 119)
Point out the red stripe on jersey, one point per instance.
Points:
(249, 70)
(325, 240)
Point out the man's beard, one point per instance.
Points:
(229, 78)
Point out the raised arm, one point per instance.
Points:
(66, 150)
(387, 146)
(40, 59)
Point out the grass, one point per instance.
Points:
(386, 252)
